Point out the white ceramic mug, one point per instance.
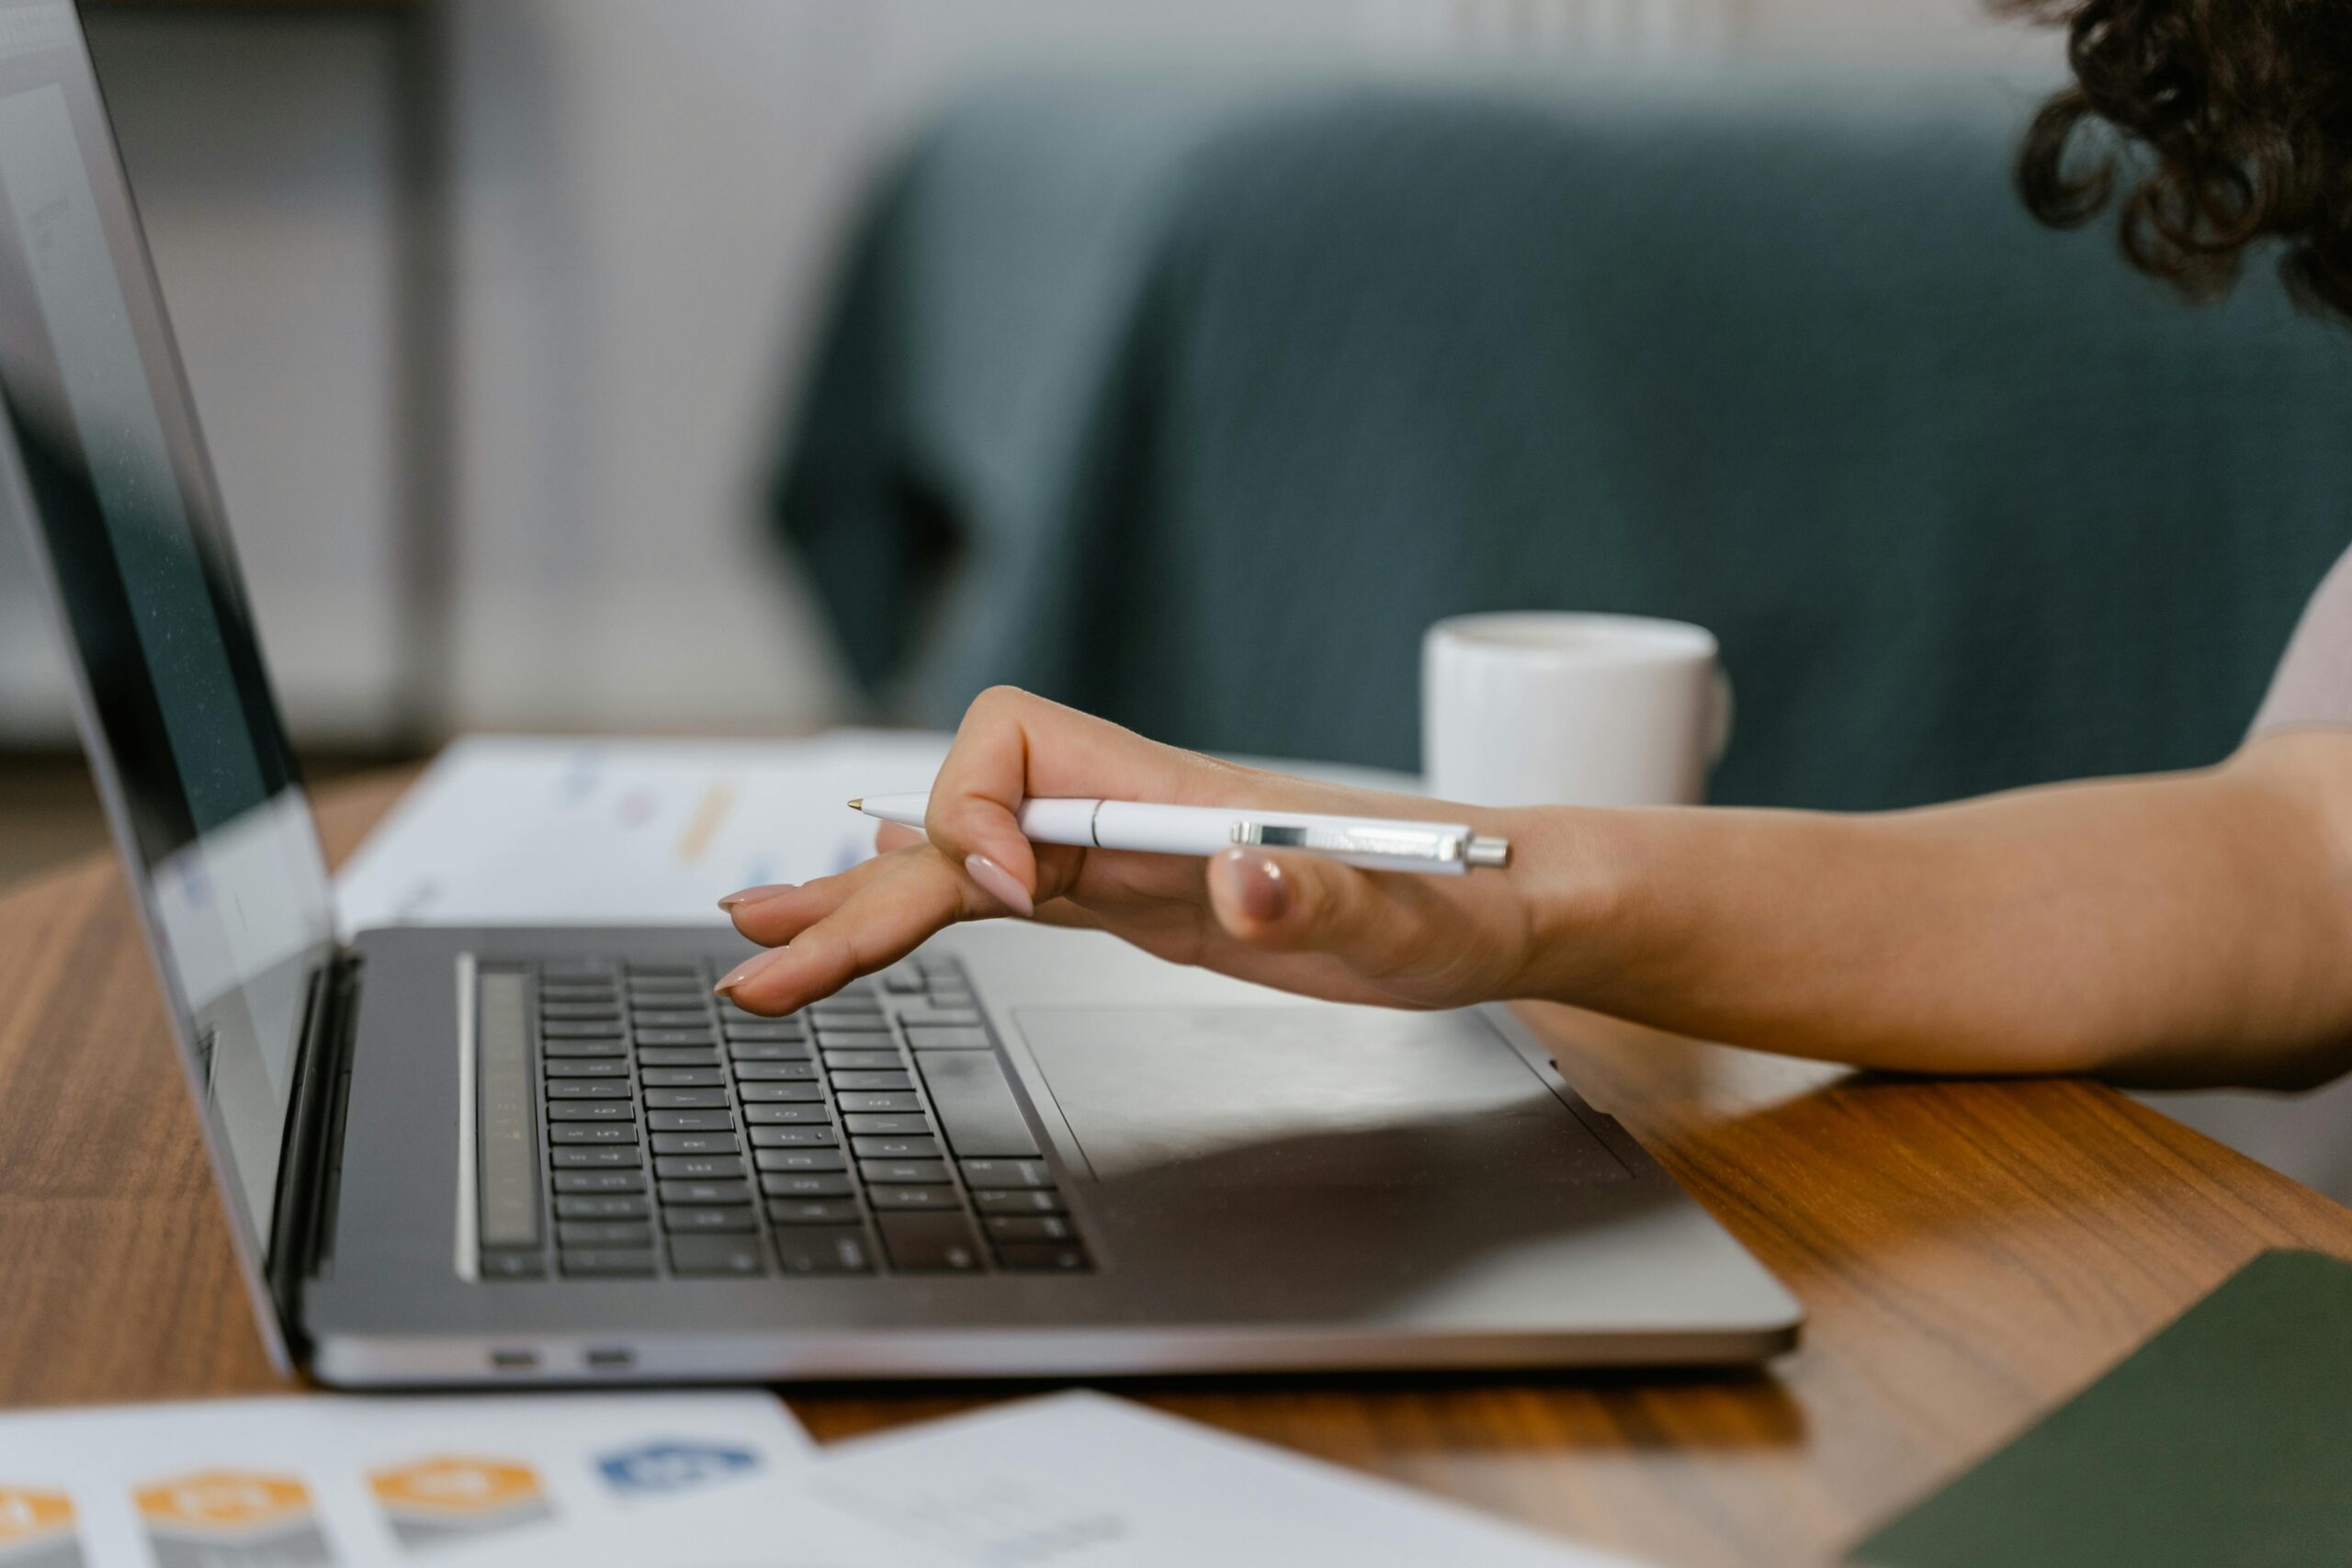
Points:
(1551, 708)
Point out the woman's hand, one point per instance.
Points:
(1296, 921)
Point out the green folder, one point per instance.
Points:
(2226, 1440)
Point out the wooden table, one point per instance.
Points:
(1971, 1254)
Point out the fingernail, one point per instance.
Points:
(755, 895)
(749, 967)
(999, 885)
(1259, 887)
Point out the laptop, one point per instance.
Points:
(513, 1156)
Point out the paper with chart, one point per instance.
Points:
(1082, 1480)
(513, 829)
(506, 830)
(567, 1480)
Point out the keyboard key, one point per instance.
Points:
(581, 1029)
(771, 1074)
(792, 1137)
(913, 1197)
(896, 1148)
(716, 1255)
(675, 1037)
(690, 1121)
(676, 1056)
(900, 1122)
(648, 969)
(812, 1211)
(694, 1143)
(699, 1167)
(1035, 1200)
(873, 1080)
(571, 1049)
(592, 1159)
(600, 1180)
(800, 1159)
(1041, 1257)
(877, 1038)
(1028, 1227)
(587, 1088)
(631, 1207)
(500, 1265)
(704, 1192)
(1007, 1173)
(593, 1132)
(850, 1061)
(709, 1221)
(929, 1244)
(684, 1098)
(613, 1066)
(684, 1077)
(609, 1261)
(817, 1250)
(901, 982)
(777, 1072)
(592, 1111)
(763, 1031)
(974, 1099)
(939, 1037)
(581, 1012)
(602, 1233)
(903, 1172)
(787, 1115)
(790, 1184)
(938, 1016)
(860, 1100)
(844, 1005)
(780, 1093)
(756, 1061)
(648, 1018)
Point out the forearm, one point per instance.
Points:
(2187, 928)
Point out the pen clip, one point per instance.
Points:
(1438, 845)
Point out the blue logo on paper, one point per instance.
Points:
(674, 1467)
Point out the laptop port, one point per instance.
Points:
(611, 1359)
(514, 1360)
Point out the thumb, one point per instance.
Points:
(1306, 904)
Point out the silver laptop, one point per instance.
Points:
(516, 1155)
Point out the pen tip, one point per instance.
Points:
(858, 805)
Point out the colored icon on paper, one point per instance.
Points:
(447, 1499)
(654, 1468)
(233, 1518)
(36, 1530)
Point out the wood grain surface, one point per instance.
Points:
(1970, 1253)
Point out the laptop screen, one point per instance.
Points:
(183, 732)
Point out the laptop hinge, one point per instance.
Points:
(301, 1238)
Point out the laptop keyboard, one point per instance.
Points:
(632, 1125)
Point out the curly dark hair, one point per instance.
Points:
(2215, 126)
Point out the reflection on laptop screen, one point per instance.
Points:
(178, 715)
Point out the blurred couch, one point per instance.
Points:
(1193, 401)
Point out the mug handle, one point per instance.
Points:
(1718, 738)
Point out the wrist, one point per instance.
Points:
(1567, 878)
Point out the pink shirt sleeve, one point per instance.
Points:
(2314, 685)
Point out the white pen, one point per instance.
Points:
(1375, 843)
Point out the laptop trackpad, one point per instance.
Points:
(1304, 1096)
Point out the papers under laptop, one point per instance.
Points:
(505, 830)
(513, 829)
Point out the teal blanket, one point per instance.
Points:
(1192, 403)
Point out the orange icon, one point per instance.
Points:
(223, 1500)
(26, 1514)
(448, 1485)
